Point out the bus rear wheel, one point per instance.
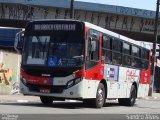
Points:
(131, 100)
(46, 100)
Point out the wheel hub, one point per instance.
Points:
(100, 96)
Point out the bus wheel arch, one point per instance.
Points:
(99, 101)
(132, 97)
(101, 91)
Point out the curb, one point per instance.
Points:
(22, 101)
(150, 98)
(17, 99)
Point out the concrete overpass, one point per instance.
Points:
(134, 23)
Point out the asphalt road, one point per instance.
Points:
(71, 110)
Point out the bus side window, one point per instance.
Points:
(94, 47)
(144, 58)
(116, 51)
(136, 61)
(106, 42)
(126, 54)
(106, 49)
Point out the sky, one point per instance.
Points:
(142, 4)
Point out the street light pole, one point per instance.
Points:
(154, 46)
(72, 9)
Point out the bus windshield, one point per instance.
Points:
(56, 50)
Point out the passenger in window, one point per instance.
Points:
(114, 61)
(107, 59)
(134, 62)
(119, 60)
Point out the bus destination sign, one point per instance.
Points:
(56, 27)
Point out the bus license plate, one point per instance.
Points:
(45, 90)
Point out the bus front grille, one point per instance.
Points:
(53, 89)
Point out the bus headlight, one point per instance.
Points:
(77, 80)
(70, 83)
(73, 82)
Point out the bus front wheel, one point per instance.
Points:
(99, 101)
(46, 100)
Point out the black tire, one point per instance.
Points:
(122, 101)
(46, 100)
(88, 102)
(99, 101)
(133, 96)
(131, 100)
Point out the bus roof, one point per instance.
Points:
(139, 43)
